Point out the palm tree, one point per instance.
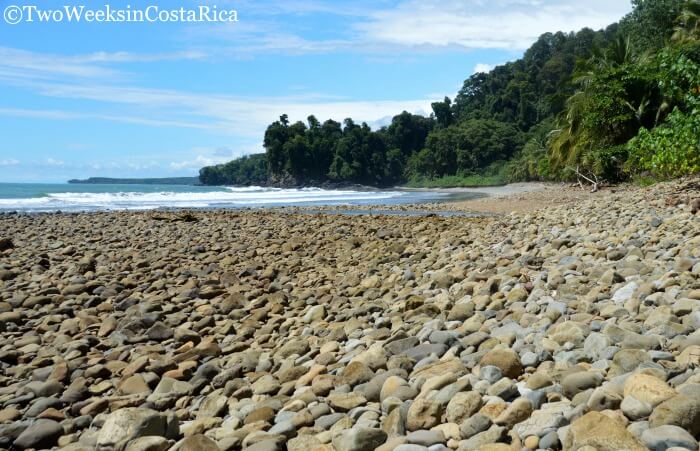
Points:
(619, 52)
(568, 143)
(688, 28)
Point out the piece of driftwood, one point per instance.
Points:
(591, 178)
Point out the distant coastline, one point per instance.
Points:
(129, 181)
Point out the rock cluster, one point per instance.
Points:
(573, 327)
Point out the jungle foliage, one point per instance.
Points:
(615, 103)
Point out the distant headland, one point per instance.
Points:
(153, 181)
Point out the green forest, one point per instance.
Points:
(611, 105)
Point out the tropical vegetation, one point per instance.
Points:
(612, 104)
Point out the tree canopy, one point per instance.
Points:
(614, 102)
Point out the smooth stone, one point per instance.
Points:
(423, 414)
(426, 438)
(41, 434)
(602, 433)
(148, 443)
(359, 439)
(492, 435)
(462, 406)
(664, 437)
(474, 425)
(129, 423)
(577, 382)
(681, 410)
(506, 360)
(648, 389)
(198, 442)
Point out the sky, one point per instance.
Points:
(159, 98)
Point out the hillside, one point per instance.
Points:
(606, 105)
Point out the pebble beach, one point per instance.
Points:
(571, 326)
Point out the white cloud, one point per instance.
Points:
(128, 57)
(17, 63)
(198, 162)
(70, 115)
(482, 67)
(9, 162)
(242, 116)
(301, 7)
(83, 78)
(54, 162)
(199, 157)
(503, 24)
(415, 25)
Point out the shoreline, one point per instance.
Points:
(408, 199)
(465, 202)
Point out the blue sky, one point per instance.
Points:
(82, 99)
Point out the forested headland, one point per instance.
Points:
(609, 105)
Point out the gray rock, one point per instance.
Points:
(326, 421)
(41, 434)
(265, 445)
(529, 358)
(581, 381)
(664, 437)
(425, 350)
(492, 435)
(540, 423)
(359, 439)
(411, 447)
(399, 346)
(623, 294)
(490, 373)
(638, 427)
(168, 391)
(549, 441)
(426, 438)
(595, 343)
(44, 389)
(504, 389)
(474, 425)
(635, 409)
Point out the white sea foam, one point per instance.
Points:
(228, 197)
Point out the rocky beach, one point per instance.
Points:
(573, 326)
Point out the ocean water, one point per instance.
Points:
(37, 197)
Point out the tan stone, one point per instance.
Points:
(602, 433)
(648, 389)
(689, 356)
(423, 414)
(506, 360)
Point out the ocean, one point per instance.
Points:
(39, 197)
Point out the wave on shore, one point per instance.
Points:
(219, 197)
